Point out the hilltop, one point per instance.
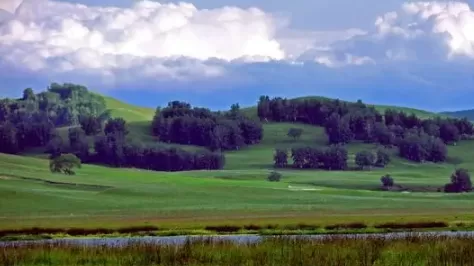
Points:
(252, 110)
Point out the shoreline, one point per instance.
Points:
(97, 239)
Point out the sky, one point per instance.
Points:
(218, 52)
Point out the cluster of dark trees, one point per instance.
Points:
(333, 157)
(182, 124)
(369, 159)
(30, 121)
(460, 182)
(417, 139)
(113, 148)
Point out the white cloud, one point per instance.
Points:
(428, 31)
(421, 46)
(63, 37)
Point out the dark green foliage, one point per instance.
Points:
(383, 158)
(345, 122)
(387, 181)
(252, 131)
(92, 125)
(8, 138)
(64, 164)
(383, 135)
(180, 123)
(460, 182)
(78, 143)
(28, 95)
(365, 159)
(56, 147)
(69, 102)
(307, 157)
(338, 129)
(330, 158)
(295, 133)
(280, 158)
(335, 158)
(274, 177)
(421, 147)
(449, 133)
(116, 126)
(34, 116)
(465, 127)
(114, 150)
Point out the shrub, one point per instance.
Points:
(295, 133)
(365, 159)
(274, 177)
(383, 158)
(335, 158)
(387, 181)
(460, 182)
(64, 164)
(421, 147)
(280, 158)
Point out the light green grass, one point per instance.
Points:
(237, 194)
(130, 113)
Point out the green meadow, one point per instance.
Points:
(240, 194)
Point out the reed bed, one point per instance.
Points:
(410, 250)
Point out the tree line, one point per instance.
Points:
(417, 139)
(29, 121)
(113, 148)
(334, 157)
(180, 123)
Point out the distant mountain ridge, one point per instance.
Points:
(469, 114)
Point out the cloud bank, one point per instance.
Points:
(419, 31)
(422, 46)
(63, 37)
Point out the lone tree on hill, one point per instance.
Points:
(64, 164)
(295, 133)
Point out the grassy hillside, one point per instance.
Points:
(237, 194)
(129, 112)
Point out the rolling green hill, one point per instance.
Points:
(130, 113)
(105, 197)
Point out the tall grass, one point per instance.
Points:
(411, 250)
